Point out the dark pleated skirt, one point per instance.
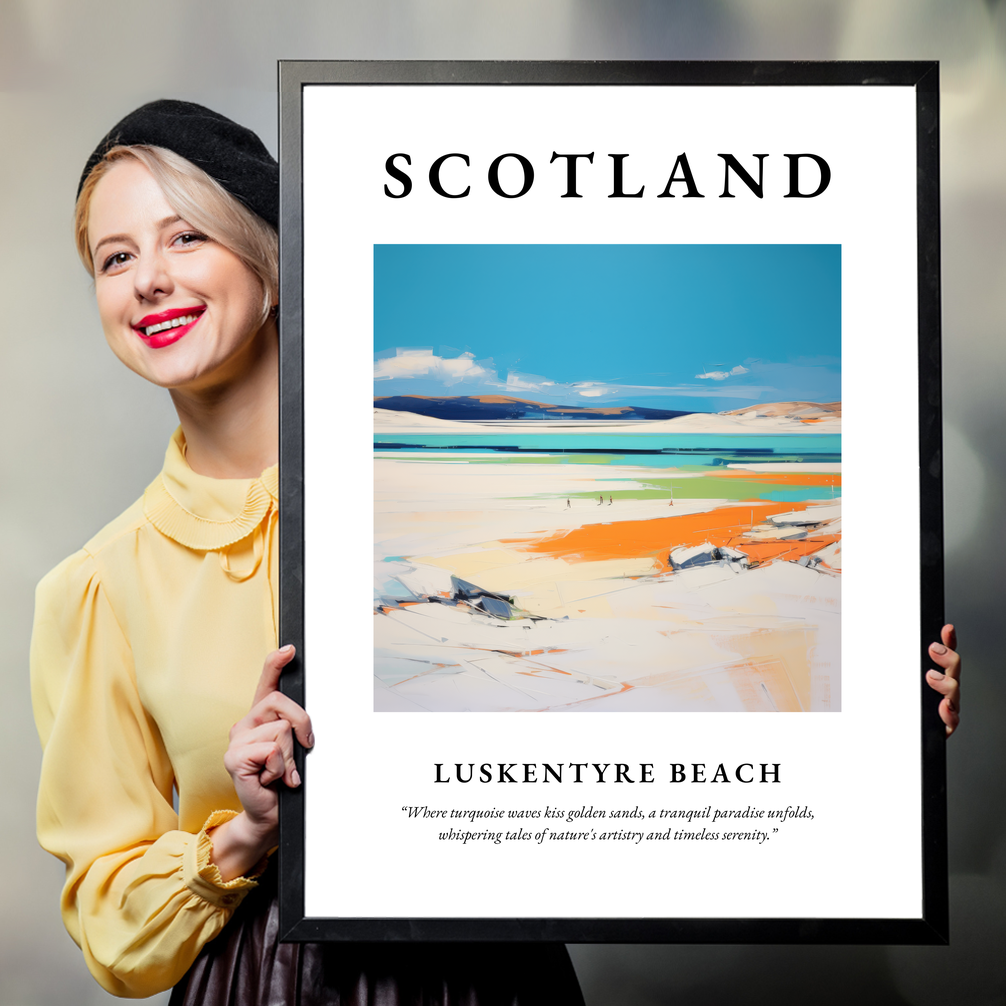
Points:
(246, 965)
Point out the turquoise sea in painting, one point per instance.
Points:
(691, 452)
(786, 447)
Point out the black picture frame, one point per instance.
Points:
(932, 925)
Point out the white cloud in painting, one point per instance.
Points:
(597, 389)
(593, 389)
(722, 375)
(411, 363)
(425, 372)
(527, 382)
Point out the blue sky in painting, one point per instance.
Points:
(693, 327)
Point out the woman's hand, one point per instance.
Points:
(948, 681)
(260, 753)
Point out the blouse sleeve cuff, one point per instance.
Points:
(202, 876)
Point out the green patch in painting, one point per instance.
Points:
(616, 494)
(711, 487)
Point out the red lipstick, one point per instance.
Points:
(166, 327)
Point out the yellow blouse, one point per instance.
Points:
(147, 647)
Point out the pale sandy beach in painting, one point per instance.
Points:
(503, 584)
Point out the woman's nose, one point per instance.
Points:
(152, 277)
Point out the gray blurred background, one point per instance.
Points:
(82, 436)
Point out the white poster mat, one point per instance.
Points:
(857, 770)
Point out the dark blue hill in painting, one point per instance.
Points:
(480, 408)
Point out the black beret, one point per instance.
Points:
(231, 154)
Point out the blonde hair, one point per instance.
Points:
(199, 200)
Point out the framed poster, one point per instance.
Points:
(611, 501)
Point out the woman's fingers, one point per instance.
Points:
(947, 680)
(261, 749)
(277, 706)
(274, 766)
(948, 660)
(944, 654)
(949, 636)
(270, 703)
(278, 735)
(950, 716)
(261, 761)
(271, 671)
(949, 689)
(944, 684)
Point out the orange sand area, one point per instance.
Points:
(766, 551)
(656, 537)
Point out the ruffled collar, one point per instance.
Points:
(203, 513)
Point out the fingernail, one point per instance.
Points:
(938, 648)
(295, 777)
(310, 740)
(287, 649)
(936, 675)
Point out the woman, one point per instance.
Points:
(148, 643)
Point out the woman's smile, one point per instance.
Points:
(167, 327)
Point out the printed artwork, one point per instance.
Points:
(607, 478)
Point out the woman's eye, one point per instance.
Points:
(190, 238)
(114, 261)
